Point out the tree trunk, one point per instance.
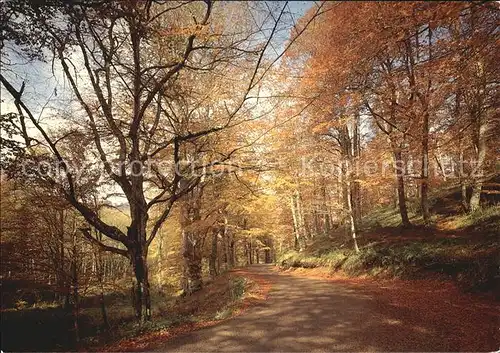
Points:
(268, 258)
(192, 259)
(424, 176)
(194, 273)
(185, 276)
(105, 321)
(100, 266)
(213, 255)
(227, 246)
(463, 180)
(356, 186)
(232, 252)
(160, 256)
(295, 224)
(352, 218)
(138, 257)
(301, 218)
(475, 196)
(245, 245)
(327, 218)
(76, 299)
(142, 288)
(477, 174)
(61, 277)
(403, 211)
(250, 252)
(192, 241)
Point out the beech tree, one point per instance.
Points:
(124, 63)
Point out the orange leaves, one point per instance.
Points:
(321, 128)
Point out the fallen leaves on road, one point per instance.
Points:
(470, 321)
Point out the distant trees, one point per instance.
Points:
(44, 255)
(398, 69)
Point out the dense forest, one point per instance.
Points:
(150, 147)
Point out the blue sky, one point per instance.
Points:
(300, 7)
(41, 81)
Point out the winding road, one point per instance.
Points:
(304, 314)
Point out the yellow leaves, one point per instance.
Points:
(321, 128)
(254, 232)
(200, 31)
(283, 183)
(202, 225)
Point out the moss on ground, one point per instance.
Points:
(460, 247)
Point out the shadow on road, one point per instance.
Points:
(303, 314)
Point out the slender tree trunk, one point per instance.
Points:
(232, 252)
(213, 254)
(327, 218)
(192, 258)
(61, 277)
(219, 255)
(185, 276)
(247, 258)
(356, 186)
(227, 245)
(316, 224)
(403, 211)
(463, 180)
(478, 170)
(424, 177)
(76, 299)
(352, 218)
(300, 218)
(100, 277)
(191, 212)
(250, 252)
(195, 273)
(225, 250)
(104, 314)
(295, 224)
(267, 253)
(160, 256)
(299, 229)
(345, 192)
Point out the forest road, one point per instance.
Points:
(304, 314)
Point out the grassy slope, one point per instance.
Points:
(227, 296)
(461, 247)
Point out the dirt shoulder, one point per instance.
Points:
(215, 303)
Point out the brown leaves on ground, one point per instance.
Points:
(439, 306)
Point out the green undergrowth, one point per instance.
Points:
(485, 220)
(50, 326)
(463, 248)
(237, 287)
(216, 301)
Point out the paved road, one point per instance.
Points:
(303, 314)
